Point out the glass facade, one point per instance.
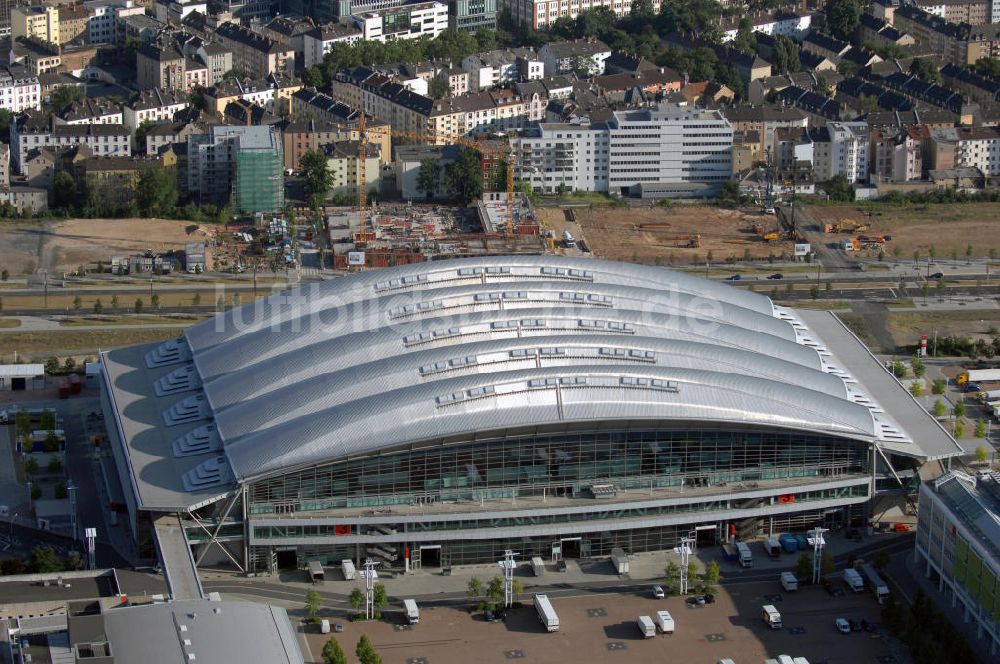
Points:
(565, 465)
(260, 186)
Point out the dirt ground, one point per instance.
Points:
(63, 245)
(907, 327)
(40, 345)
(945, 227)
(602, 628)
(645, 235)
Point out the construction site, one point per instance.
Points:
(406, 233)
(678, 234)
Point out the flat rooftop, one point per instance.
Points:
(78, 585)
(928, 439)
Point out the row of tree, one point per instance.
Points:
(365, 651)
(41, 560)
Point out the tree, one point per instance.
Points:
(712, 573)
(317, 176)
(960, 409)
(44, 560)
(312, 77)
(64, 95)
(959, 429)
(745, 41)
(5, 117)
(924, 68)
(333, 653)
(427, 177)
(814, 292)
(940, 409)
(98, 307)
(464, 176)
(938, 386)
(803, 568)
(982, 454)
(919, 369)
(54, 466)
(31, 466)
(881, 559)
(154, 300)
(671, 576)
(366, 651)
(64, 192)
(728, 195)
(981, 430)
(77, 303)
(642, 10)
(517, 588)
(4, 275)
(357, 599)
(156, 192)
(438, 88)
(137, 307)
(380, 598)
(474, 590)
(196, 300)
(36, 492)
(313, 604)
(692, 573)
(842, 17)
(114, 301)
(898, 368)
(826, 564)
(839, 188)
(917, 388)
(495, 590)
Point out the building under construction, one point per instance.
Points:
(404, 234)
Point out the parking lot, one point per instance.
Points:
(602, 627)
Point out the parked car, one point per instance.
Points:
(855, 625)
(709, 598)
(734, 277)
(843, 626)
(901, 527)
(776, 275)
(937, 275)
(696, 600)
(490, 616)
(658, 592)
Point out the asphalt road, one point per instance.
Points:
(269, 590)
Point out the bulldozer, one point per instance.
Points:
(688, 241)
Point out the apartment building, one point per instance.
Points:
(538, 14)
(30, 132)
(974, 12)
(959, 43)
(689, 150)
(96, 110)
(272, 93)
(410, 21)
(897, 154)
(563, 57)
(472, 15)
(255, 55)
(19, 93)
(73, 21)
(789, 24)
(114, 180)
(39, 22)
(972, 147)
(153, 106)
(320, 40)
(348, 171)
(161, 66)
(502, 66)
(841, 148)
(764, 119)
(242, 165)
(104, 16)
(958, 546)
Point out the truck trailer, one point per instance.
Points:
(550, 621)
(347, 568)
(978, 376)
(646, 627)
(665, 622)
(412, 611)
(875, 582)
(537, 566)
(773, 547)
(619, 559)
(789, 582)
(744, 555)
(853, 580)
(771, 616)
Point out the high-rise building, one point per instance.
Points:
(472, 15)
(242, 165)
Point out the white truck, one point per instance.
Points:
(550, 621)
(412, 611)
(646, 627)
(568, 239)
(875, 582)
(619, 559)
(771, 616)
(324, 626)
(773, 547)
(853, 580)
(789, 582)
(665, 622)
(537, 566)
(347, 568)
(744, 555)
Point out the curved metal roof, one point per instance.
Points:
(384, 358)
